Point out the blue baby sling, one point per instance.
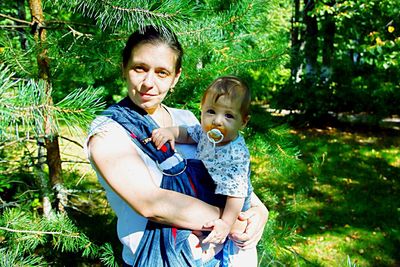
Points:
(163, 245)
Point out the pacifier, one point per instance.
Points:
(215, 136)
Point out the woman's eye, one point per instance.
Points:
(163, 74)
(229, 116)
(210, 111)
(139, 69)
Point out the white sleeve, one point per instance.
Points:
(195, 132)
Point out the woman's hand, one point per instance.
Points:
(257, 217)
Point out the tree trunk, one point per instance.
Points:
(296, 43)
(311, 39)
(22, 16)
(51, 139)
(329, 29)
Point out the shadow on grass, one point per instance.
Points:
(354, 191)
(343, 197)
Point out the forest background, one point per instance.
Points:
(324, 132)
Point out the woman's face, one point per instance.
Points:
(150, 74)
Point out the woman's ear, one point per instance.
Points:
(123, 71)
(176, 79)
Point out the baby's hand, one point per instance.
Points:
(162, 135)
(219, 233)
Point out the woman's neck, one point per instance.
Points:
(161, 116)
(153, 110)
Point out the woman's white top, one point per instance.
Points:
(131, 225)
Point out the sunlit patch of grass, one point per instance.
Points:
(392, 155)
(344, 201)
(329, 248)
(354, 189)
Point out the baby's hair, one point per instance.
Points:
(233, 87)
(152, 35)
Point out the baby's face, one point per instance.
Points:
(224, 115)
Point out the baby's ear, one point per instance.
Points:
(245, 121)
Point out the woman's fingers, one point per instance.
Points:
(256, 218)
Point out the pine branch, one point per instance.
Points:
(16, 257)
(72, 141)
(56, 233)
(79, 107)
(14, 57)
(15, 26)
(50, 22)
(75, 161)
(74, 235)
(130, 15)
(24, 106)
(234, 15)
(145, 12)
(245, 62)
(107, 256)
(15, 19)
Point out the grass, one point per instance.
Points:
(333, 194)
(336, 203)
(344, 199)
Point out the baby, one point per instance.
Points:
(224, 112)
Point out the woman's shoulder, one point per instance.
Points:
(103, 124)
(183, 117)
(104, 131)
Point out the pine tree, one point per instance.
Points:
(61, 56)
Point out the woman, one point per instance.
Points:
(151, 67)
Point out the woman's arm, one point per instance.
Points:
(117, 160)
(257, 217)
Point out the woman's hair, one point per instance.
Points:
(152, 35)
(232, 87)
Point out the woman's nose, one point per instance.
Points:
(149, 79)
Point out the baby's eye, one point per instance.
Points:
(229, 116)
(210, 111)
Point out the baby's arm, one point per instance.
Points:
(171, 134)
(222, 227)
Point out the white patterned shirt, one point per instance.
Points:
(228, 165)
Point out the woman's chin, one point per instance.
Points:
(149, 108)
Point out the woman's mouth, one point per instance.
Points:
(146, 95)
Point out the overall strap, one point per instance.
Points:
(139, 125)
(163, 245)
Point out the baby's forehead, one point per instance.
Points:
(224, 96)
(224, 100)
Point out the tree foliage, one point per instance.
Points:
(356, 66)
(78, 45)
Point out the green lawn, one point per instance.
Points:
(333, 196)
(343, 200)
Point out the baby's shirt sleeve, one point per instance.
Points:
(195, 132)
(230, 170)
